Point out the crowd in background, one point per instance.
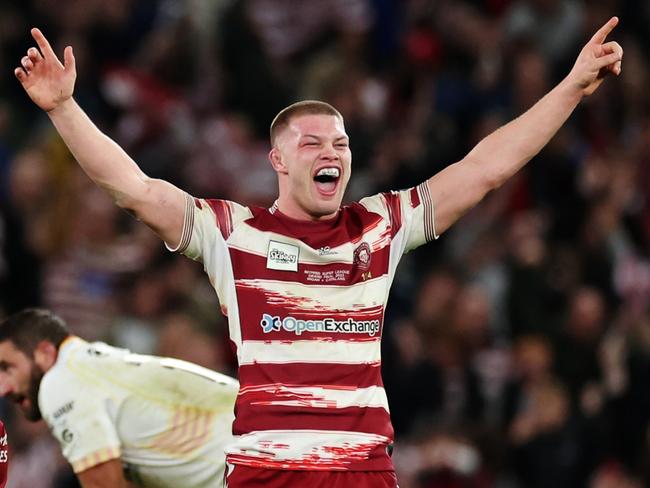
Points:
(516, 347)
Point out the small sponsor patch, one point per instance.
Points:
(282, 256)
(63, 410)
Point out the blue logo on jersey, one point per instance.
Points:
(270, 324)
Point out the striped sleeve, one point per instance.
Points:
(205, 221)
(188, 226)
(418, 217)
(95, 458)
(81, 423)
(410, 213)
(425, 200)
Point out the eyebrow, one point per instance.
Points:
(313, 136)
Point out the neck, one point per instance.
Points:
(293, 210)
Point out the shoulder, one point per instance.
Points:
(224, 209)
(57, 393)
(223, 214)
(72, 374)
(382, 201)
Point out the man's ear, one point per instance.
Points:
(276, 161)
(45, 355)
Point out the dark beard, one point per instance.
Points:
(35, 377)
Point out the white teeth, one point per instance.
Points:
(329, 172)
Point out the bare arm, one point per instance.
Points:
(500, 155)
(104, 475)
(50, 85)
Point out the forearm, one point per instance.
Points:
(109, 474)
(500, 155)
(504, 152)
(103, 160)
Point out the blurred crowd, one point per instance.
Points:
(516, 347)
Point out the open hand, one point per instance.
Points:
(597, 59)
(47, 82)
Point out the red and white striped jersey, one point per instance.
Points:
(305, 304)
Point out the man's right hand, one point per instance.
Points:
(47, 82)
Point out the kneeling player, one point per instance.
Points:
(119, 417)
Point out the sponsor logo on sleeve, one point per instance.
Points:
(282, 256)
(63, 432)
(61, 411)
(67, 436)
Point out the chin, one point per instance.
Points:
(33, 414)
(326, 211)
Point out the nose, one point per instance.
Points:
(329, 153)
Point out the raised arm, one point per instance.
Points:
(50, 85)
(500, 155)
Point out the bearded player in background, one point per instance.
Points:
(121, 419)
(304, 283)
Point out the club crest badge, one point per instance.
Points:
(362, 256)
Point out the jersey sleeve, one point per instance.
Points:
(411, 215)
(78, 417)
(207, 225)
(207, 221)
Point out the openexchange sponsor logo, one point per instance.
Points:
(270, 324)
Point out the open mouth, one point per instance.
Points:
(326, 180)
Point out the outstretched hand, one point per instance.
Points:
(47, 82)
(597, 60)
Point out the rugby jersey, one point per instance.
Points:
(305, 305)
(167, 420)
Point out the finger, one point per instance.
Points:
(613, 47)
(43, 43)
(34, 55)
(68, 59)
(600, 36)
(20, 74)
(609, 59)
(617, 68)
(26, 64)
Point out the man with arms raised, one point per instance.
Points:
(157, 422)
(305, 283)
